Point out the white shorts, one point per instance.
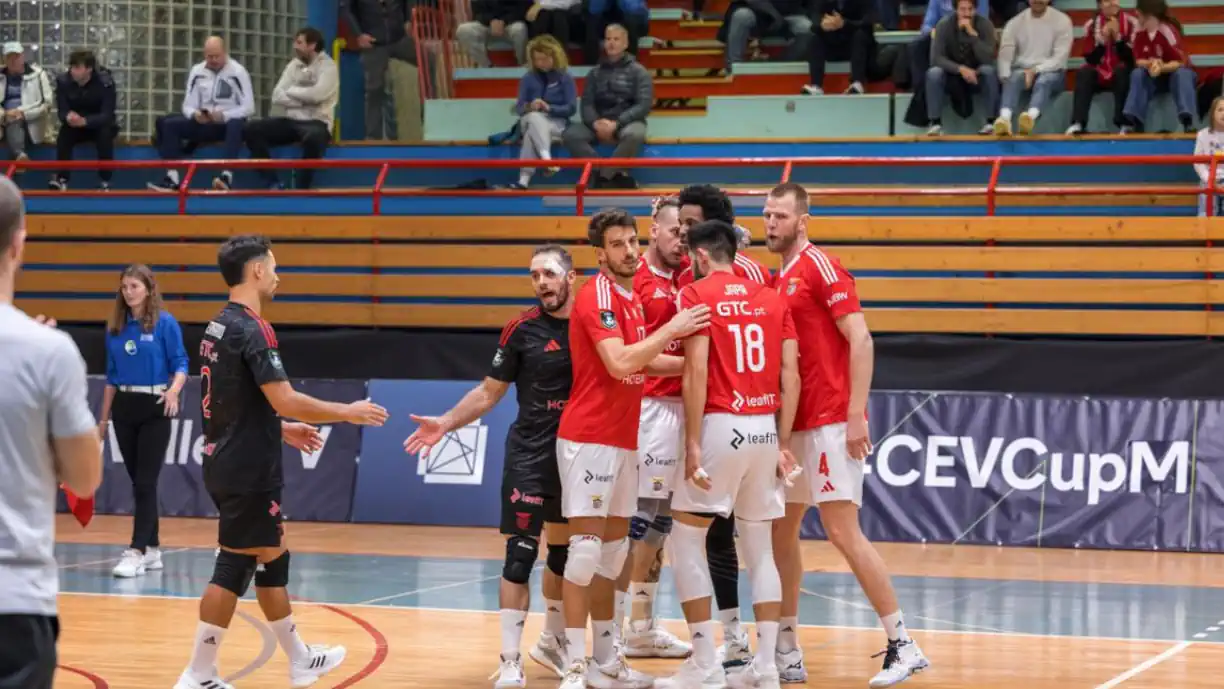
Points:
(829, 474)
(740, 453)
(596, 480)
(660, 437)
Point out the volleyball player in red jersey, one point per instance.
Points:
(701, 202)
(831, 439)
(739, 374)
(597, 443)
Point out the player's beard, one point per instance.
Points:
(621, 271)
(553, 303)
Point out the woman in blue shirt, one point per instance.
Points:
(146, 368)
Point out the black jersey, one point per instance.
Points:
(534, 354)
(242, 432)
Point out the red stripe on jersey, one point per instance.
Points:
(265, 327)
(515, 323)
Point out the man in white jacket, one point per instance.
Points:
(308, 90)
(218, 102)
(28, 101)
(1033, 57)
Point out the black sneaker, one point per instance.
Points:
(622, 180)
(57, 184)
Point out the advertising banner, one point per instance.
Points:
(458, 484)
(318, 486)
(1043, 471)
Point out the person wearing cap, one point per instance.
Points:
(27, 97)
(85, 105)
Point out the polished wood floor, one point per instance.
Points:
(143, 641)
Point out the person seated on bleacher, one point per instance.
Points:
(920, 48)
(1210, 142)
(962, 57)
(556, 18)
(85, 104)
(1108, 62)
(218, 101)
(28, 98)
(1162, 65)
(1032, 57)
(846, 32)
(308, 90)
(633, 15)
(616, 99)
(745, 19)
(547, 99)
(494, 19)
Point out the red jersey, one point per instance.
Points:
(1164, 44)
(744, 266)
(819, 291)
(602, 409)
(656, 289)
(748, 322)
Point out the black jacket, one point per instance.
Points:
(382, 19)
(509, 11)
(858, 14)
(95, 101)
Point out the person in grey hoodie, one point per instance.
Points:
(962, 48)
(616, 99)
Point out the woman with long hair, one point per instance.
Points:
(547, 100)
(146, 368)
(1210, 142)
(1161, 65)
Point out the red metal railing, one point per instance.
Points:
(992, 190)
(433, 31)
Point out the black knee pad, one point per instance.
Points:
(233, 572)
(521, 554)
(557, 555)
(721, 535)
(274, 574)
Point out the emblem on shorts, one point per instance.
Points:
(739, 439)
(656, 482)
(608, 319)
(596, 501)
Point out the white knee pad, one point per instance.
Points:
(687, 553)
(612, 558)
(756, 541)
(583, 560)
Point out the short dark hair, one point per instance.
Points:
(12, 210)
(567, 261)
(800, 194)
(716, 237)
(237, 252)
(83, 58)
(605, 219)
(312, 36)
(714, 202)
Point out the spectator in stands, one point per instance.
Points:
(1210, 142)
(554, 18)
(384, 33)
(616, 99)
(218, 102)
(1032, 58)
(1108, 62)
(1163, 66)
(494, 19)
(85, 101)
(308, 91)
(27, 101)
(846, 32)
(962, 57)
(744, 20)
(547, 99)
(631, 15)
(920, 48)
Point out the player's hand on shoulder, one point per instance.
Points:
(365, 413)
(690, 320)
(429, 431)
(301, 436)
(45, 320)
(858, 438)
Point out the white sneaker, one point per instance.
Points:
(688, 676)
(131, 564)
(791, 669)
(510, 674)
(901, 659)
(153, 560)
(749, 677)
(547, 652)
(616, 675)
(811, 90)
(1074, 130)
(735, 650)
(645, 639)
(323, 659)
(186, 681)
(935, 130)
(575, 675)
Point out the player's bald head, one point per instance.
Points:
(12, 218)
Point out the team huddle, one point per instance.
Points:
(683, 396)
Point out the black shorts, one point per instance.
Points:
(27, 651)
(249, 520)
(526, 506)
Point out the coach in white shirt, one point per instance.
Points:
(308, 90)
(47, 437)
(216, 106)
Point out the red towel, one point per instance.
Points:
(83, 510)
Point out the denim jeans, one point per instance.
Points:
(988, 86)
(1143, 87)
(1045, 87)
(743, 21)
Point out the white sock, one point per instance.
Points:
(286, 634)
(788, 635)
(204, 655)
(576, 640)
(702, 634)
(642, 601)
(1005, 114)
(894, 626)
(618, 614)
(731, 624)
(1034, 113)
(767, 645)
(512, 622)
(554, 618)
(524, 179)
(604, 641)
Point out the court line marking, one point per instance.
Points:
(265, 654)
(115, 560)
(864, 606)
(98, 682)
(381, 648)
(1146, 665)
(427, 589)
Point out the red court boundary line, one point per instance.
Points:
(98, 682)
(380, 647)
